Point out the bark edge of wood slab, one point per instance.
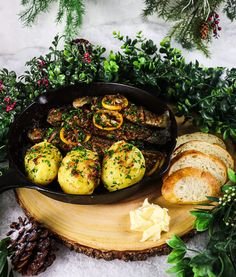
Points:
(103, 252)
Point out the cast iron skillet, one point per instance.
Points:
(38, 110)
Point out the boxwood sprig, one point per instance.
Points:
(207, 96)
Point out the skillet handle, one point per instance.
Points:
(12, 180)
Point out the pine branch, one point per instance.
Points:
(230, 9)
(189, 16)
(72, 10)
(33, 9)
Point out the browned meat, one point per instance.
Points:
(160, 137)
(52, 135)
(79, 117)
(161, 121)
(99, 145)
(80, 102)
(55, 116)
(130, 131)
(36, 134)
(138, 115)
(127, 131)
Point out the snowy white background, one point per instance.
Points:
(19, 44)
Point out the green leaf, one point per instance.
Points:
(213, 199)
(176, 243)
(226, 187)
(202, 264)
(180, 274)
(165, 42)
(202, 221)
(226, 134)
(211, 274)
(4, 272)
(221, 246)
(202, 271)
(227, 266)
(3, 260)
(4, 243)
(176, 255)
(232, 175)
(175, 269)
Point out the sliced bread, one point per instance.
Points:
(190, 186)
(205, 162)
(200, 136)
(206, 148)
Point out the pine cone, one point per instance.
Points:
(84, 45)
(32, 247)
(204, 30)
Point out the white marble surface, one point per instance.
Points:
(18, 44)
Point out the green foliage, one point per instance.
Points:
(72, 10)
(230, 9)
(219, 256)
(4, 253)
(12, 100)
(138, 63)
(188, 17)
(204, 95)
(61, 68)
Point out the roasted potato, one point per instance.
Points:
(80, 172)
(123, 166)
(42, 162)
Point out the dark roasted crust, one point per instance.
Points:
(113, 254)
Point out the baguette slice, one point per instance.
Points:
(205, 162)
(200, 136)
(190, 186)
(206, 148)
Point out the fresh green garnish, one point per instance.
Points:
(219, 256)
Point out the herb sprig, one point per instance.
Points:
(219, 256)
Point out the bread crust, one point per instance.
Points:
(170, 182)
(197, 136)
(218, 148)
(194, 152)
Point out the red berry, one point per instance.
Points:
(45, 82)
(216, 15)
(212, 25)
(219, 28)
(209, 18)
(39, 82)
(215, 32)
(9, 108)
(1, 85)
(86, 55)
(217, 21)
(88, 60)
(7, 99)
(42, 63)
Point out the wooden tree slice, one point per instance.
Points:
(103, 231)
(105, 228)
